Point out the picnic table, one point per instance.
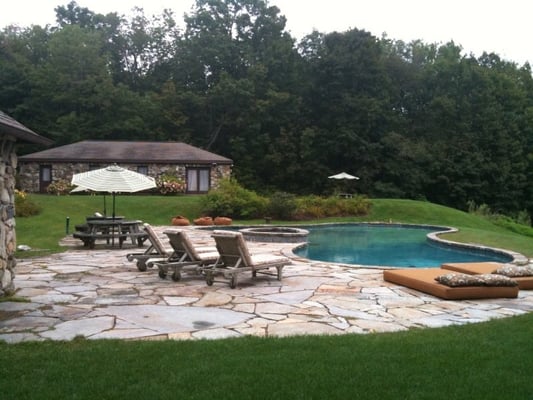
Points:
(109, 229)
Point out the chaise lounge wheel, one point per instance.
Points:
(163, 274)
(209, 279)
(233, 281)
(129, 257)
(176, 276)
(141, 265)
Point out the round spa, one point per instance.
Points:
(277, 234)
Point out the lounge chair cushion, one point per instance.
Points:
(241, 244)
(524, 282)
(207, 256)
(513, 271)
(181, 243)
(496, 280)
(423, 279)
(458, 279)
(156, 242)
(262, 259)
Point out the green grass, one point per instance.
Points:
(42, 232)
(480, 361)
(490, 360)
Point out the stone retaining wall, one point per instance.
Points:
(8, 243)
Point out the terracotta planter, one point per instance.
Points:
(180, 221)
(223, 221)
(203, 221)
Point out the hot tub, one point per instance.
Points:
(277, 234)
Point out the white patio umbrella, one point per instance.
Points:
(343, 175)
(78, 189)
(112, 179)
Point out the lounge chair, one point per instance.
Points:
(235, 259)
(186, 255)
(423, 280)
(524, 282)
(155, 251)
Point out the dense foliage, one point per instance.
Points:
(412, 120)
(233, 200)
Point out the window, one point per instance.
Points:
(142, 169)
(198, 180)
(45, 177)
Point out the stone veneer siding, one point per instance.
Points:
(28, 176)
(7, 215)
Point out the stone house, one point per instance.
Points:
(11, 133)
(201, 170)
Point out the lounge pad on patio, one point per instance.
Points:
(524, 282)
(423, 279)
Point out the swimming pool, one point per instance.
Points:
(387, 245)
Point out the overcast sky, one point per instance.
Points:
(502, 27)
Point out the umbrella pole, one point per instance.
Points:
(105, 208)
(113, 233)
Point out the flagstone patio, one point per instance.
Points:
(98, 294)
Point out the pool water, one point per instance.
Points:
(395, 246)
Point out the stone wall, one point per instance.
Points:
(8, 243)
(28, 175)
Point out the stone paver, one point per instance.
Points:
(99, 294)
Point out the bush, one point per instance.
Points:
(313, 207)
(60, 187)
(170, 184)
(24, 207)
(281, 205)
(234, 201)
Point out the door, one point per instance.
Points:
(45, 177)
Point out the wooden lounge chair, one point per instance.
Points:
(235, 259)
(423, 280)
(524, 282)
(156, 250)
(186, 255)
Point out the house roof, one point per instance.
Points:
(93, 151)
(10, 126)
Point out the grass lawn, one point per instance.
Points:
(480, 361)
(491, 360)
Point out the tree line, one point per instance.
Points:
(412, 120)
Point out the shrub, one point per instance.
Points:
(60, 187)
(24, 207)
(234, 201)
(309, 207)
(281, 205)
(523, 218)
(312, 207)
(481, 209)
(170, 184)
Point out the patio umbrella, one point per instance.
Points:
(82, 189)
(112, 179)
(343, 175)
